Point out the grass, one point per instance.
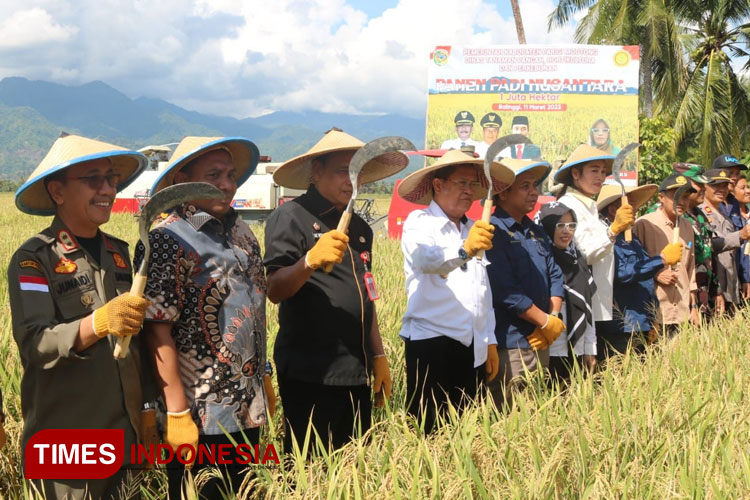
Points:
(675, 424)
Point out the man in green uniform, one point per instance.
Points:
(705, 277)
(70, 302)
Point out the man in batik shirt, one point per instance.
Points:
(206, 327)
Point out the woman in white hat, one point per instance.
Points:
(582, 177)
(449, 327)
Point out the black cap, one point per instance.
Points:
(520, 120)
(674, 181)
(727, 161)
(718, 175)
(491, 120)
(464, 118)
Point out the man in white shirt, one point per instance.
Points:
(464, 121)
(448, 328)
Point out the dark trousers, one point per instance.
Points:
(337, 413)
(560, 368)
(611, 343)
(231, 475)
(438, 371)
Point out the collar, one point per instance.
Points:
(435, 210)
(198, 218)
(63, 236)
(318, 204)
(587, 202)
(663, 216)
(509, 221)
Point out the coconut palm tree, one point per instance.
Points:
(649, 24)
(715, 107)
(519, 22)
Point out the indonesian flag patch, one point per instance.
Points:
(34, 284)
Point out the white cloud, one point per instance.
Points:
(245, 57)
(33, 27)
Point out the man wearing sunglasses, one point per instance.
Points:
(69, 301)
(527, 284)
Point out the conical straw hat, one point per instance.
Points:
(417, 186)
(68, 150)
(637, 195)
(297, 172)
(541, 169)
(582, 154)
(244, 152)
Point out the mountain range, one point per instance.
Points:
(34, 113)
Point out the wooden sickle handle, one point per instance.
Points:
(628, 231)
(486, 214)
(123, 344)
(343, 226)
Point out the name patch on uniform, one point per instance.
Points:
(124, 277)
(30, 263)
(73, 283)
(65, 266)
(33, 284)
(119, 261)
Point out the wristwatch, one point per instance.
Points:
(269, 368)
(462, 253)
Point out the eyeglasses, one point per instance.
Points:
(96, 182)
(465, 185)
(600, 130)
(567, 226)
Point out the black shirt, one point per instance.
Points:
(324, 328)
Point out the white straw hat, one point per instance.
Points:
(68, 150)
(417, 186)
(297, 172)
(244, 153)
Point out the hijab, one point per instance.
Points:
(579, 283)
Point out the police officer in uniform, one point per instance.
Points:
(490, 123)
(328, 342)
(464, 121)
(69, 301)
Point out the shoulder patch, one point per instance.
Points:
(30, 263)
(119, 261)
(65, 266)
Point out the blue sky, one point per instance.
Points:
(249, 57)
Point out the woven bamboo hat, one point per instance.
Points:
(637, 195)
(68, 150)
(297, 172)
(582, 154)
(244, 153)
(417, 186)
(541, 169)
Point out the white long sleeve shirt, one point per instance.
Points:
(443, 298)
(592, 240)
(585, 345)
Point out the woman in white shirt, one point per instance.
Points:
(582, 176)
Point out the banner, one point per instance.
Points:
(558, 96)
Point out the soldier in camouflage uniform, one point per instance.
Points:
(705, 276)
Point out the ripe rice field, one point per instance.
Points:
(673, 425)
